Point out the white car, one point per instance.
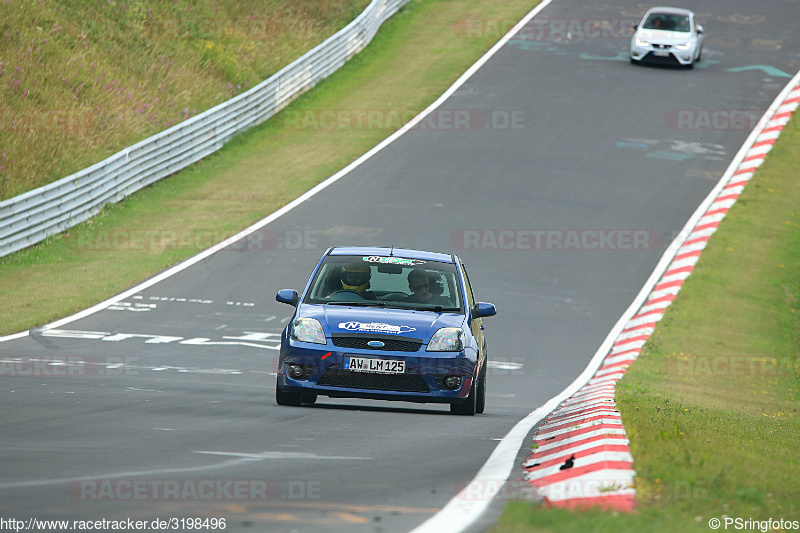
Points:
(669, 36)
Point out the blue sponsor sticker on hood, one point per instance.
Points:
(375, 327)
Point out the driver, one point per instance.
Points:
(355, 277)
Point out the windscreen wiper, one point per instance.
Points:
(366, 303)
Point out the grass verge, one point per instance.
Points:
(81, 80)
(711, 404)
(414, 58)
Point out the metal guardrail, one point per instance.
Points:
(35, 215)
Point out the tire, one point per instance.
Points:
(467, 407)
(288, 398)
(480, 400)
(308, 397)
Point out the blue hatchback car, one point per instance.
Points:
(387, 324)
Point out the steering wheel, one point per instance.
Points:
(346, 291)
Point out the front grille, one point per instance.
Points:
(393, 344)
(335, 377)
(662, 46)
(669, 60)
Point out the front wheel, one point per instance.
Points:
(283, 397)
(480, 401)
(468, 406)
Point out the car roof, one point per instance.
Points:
(671, 10)
(396, 252)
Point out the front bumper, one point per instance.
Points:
(663, 54)
(423, 380)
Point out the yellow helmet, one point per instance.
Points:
(355, 277)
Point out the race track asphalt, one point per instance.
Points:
(558, 137)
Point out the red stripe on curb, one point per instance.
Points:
(601, 406)
(604, 406)
(764, 143)
(623, 342)
(667, 285)
(686, 255)
(687, 268)
(586, 420)
(707, 226)
(741, 170)
(615, 502)
(697, 240)
(660, 299)
(562, 458)
(626, 363)
(732, 184)
(577, 433)
(638, 327)
(570, 446)
(753, 157)
(576, 471)
(720, 211)
(732, 196)
(636, 351)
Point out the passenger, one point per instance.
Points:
(419, 285)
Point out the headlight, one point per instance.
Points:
(308, 330)
(640, 42)
(447, 340)
(684, 46)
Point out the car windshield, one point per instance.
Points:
(386, 282)
(667, 22)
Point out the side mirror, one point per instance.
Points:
(483, 309)
(700, 30)
(288, 296)
(635, 26)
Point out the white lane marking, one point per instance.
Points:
(282, 455)
(253, 339)
(504, 365)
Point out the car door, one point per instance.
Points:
(475, 322)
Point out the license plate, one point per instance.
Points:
(375, 366)
(661, 54)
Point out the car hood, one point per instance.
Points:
(373, 321)
(664, 37)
